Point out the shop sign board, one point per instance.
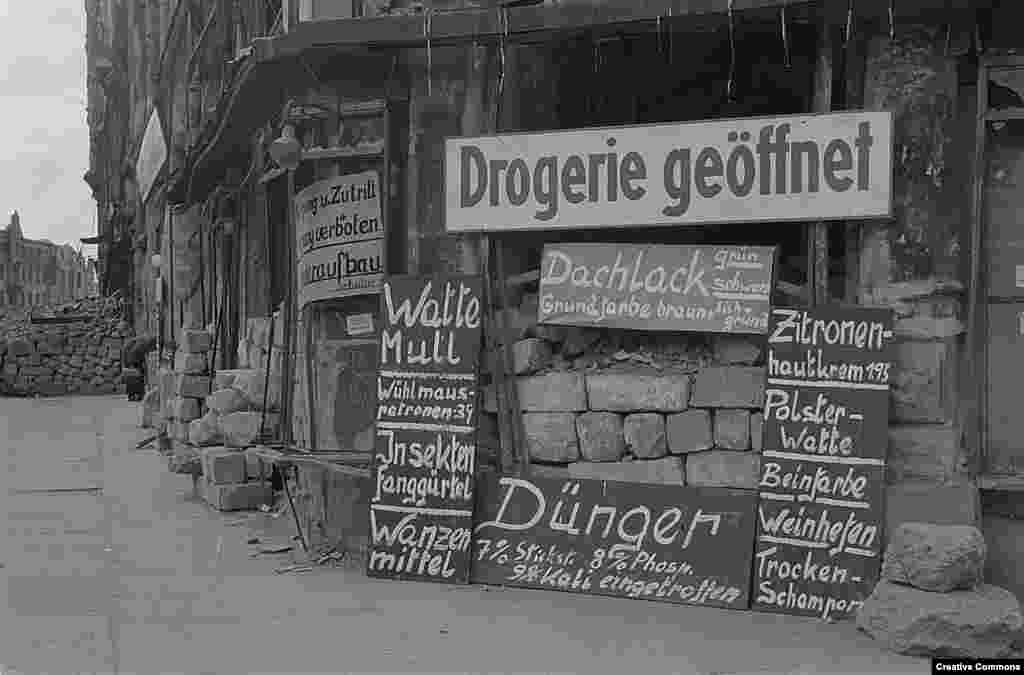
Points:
(340, 233)
(712, 289)
(422, 496)
(685, 545)
(793, 168)
(822, 483)
(152, 155)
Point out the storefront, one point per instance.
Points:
(417, 82)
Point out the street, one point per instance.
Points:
(112, 566)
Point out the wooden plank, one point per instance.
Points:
(817, 232)
(495, 346)
(509, 400)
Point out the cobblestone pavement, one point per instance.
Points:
(112, 566)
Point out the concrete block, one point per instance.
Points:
(222, 465)
(633, 392)
(666, 471)
(530, 355)
(689, 431)
(255, 468)
(225, 378)
(195, 341)
(723, 468)
(192, 364)
(929, 451)
(238, 497)
(184, 408)
(600, 436)
(645, 435)
(553, 392)
(551, 437)
(729, 387)
(195, 386)
(732, 429)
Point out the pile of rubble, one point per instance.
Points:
(931, 600)
(210, 420)
(79, 356)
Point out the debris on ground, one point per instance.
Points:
(294, 569)
(253, 540)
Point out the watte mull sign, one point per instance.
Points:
(340, 238)
(810, 167)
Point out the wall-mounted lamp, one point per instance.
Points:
(285, 150)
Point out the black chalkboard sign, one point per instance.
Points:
(820, 515)
(421, 505)
(659, 542)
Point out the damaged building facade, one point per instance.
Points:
(201, 226)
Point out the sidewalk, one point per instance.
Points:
(170, 586)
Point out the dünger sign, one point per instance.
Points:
(767, 169)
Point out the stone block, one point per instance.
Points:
(255, 468)
(729, 387)
(553, 392)
(551, 437)
(530, 355)
(195, 386)
(253, 386)
(930, 451)
(733, 350)
(723, 468)
(558, 472)
(184, 460)
(732, 429)
(634, 392)
(21, 348)
(757, 431)
(225, 378)
(240, 429)
(205, 430)
(980, 623)
(195, 341)
(239, 496)
(191, 364)
(242, 353)
(689, 431)
(185, 408)
(578, 340)
(227, 401)
(923, 382)
(600, 436)
(666, 471)
(645, 435)
(223, 466)
(1003, 537)
(938, 558)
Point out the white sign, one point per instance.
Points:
(152, 155)
(340, 238)
(810, 167)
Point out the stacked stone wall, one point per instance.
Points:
(81, 356)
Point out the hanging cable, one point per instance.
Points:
(502, 42)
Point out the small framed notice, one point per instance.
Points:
(359, 324)
(1019, 276)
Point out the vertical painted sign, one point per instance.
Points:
(421, 505)
(819, 525)
(340, 234)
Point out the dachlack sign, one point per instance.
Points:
(810, 167)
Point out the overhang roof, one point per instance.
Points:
(273, 69)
